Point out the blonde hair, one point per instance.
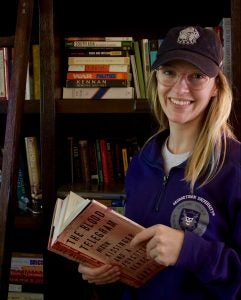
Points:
(209, 151)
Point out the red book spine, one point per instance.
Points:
(105, 168)
(93, 75)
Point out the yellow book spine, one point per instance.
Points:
(36, 70)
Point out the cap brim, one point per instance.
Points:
(205, 64)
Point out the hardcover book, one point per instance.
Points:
(88, 232)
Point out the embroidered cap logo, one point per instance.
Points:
(188, 36)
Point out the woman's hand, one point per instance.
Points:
(102, 275)
(163, 243)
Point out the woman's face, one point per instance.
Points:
(184, 92)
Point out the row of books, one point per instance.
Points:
(119, 67)
(29, 193)
(26, 268)
(97, 67)
(102, 161)
(32, 77)
(26, 277)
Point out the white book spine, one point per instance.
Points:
(3, 83)
(98, 93)
(122, 60)
(227, 47)
(135, 77)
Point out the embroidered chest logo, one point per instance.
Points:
(188, 219)
(188, 36)
(191, 213)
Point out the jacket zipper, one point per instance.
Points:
(157, 206)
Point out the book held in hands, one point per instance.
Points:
(88, 232)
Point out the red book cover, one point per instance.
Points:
(89, 232)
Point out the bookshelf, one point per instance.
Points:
(54, 118)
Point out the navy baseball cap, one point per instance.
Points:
(199, 46)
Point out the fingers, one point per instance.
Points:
(103, 275)
(163, 244)
(143, 236)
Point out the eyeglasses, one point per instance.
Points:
(168, 76)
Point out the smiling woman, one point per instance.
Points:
(181, 172)
(187, 161)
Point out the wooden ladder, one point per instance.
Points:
(12, 138)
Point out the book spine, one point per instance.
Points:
(97, 83)
(12, 295)
(93, 163)
(80, 60)
(139, 69)
(145, 60)
(60, 248)
(125, 45)
(106, 167)
(4, 73)
(80, 52)
(135, 77)
(99, 93)
(74, 160)
(125, 159)
(85, 161)
(2, 76)
(99, 38)
(117, 161)
(99, 163)
(87, 75)
(36, 70)
(23, 194)
(33, 163)
(227, 47)
(109, 157)
(153, 47)
(99, 68)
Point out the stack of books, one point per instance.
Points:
(98, 67)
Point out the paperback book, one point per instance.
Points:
(99, 93)
(88, 232)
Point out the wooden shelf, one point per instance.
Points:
(29, 222)
(95, 106)
(76, 106)
(83, 106)
(7, 41)
(30, 106)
